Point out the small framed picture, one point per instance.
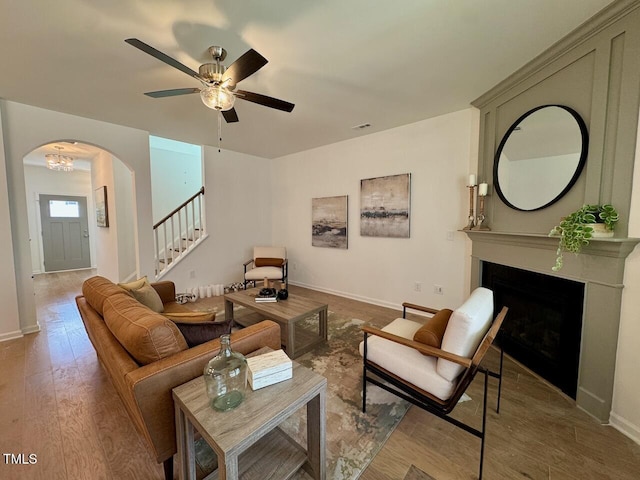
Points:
(102, 210)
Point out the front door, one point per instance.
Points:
(65, 232)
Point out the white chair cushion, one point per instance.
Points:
(466, 328)
(272, 273)
(405, 362)
(269, 252)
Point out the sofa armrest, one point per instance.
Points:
(166, 290)
(151, 385)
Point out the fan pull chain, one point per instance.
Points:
(219, 130)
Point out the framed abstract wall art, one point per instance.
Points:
(329, 222)
(385, 206)
(102, 210)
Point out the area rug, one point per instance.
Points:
(415, 473)
(353, 438)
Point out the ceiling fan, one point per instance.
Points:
(218, 90)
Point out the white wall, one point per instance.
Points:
(106, 238)
(625, 412)
(238, 209)
(115, 245)
(9, 320)
(383, 270)
(176, 174)
(26, 128)
(123, 196)
(42, 181)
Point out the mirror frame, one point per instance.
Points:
(583, 156)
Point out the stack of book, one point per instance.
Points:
(267, 295)
(269, 368)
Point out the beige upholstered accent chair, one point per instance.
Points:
(267, 262)
(432, 365)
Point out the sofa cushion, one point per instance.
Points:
(97, 289)
(407, 362)
(269, 252)
(146, 335)
(432, 331)
(272, 273)
(467, 326)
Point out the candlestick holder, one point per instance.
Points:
(471, 217)
(481, 216)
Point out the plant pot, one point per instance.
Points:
(599, 230)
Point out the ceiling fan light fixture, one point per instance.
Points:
(217, 98)
(58, 162)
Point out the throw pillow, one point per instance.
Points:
(135, 284)
(191, 317)
(148, 296)
(196, 333)
(268, 262)
(432, 331)
(142, 291)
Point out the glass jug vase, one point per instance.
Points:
(225, 377)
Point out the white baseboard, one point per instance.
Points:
(11, 336)
(32, 329)
(624, 426)
(352, 296)
(359, 298)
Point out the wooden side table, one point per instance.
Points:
(247, 440)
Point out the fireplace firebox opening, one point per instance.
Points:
(544, 326)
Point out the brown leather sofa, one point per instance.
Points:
(146, 356)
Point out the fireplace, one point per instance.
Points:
(543, 328)
(599, 269)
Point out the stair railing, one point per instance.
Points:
(178, 232)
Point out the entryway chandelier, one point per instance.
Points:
(59, 162)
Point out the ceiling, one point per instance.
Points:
(82, 154)
(343, 63)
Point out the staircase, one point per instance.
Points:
(178, 233)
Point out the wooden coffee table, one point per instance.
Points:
(296, 339)
(247, 440)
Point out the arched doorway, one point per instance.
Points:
(95, 172)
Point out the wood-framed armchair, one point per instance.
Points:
(267, 262)
(433, 370)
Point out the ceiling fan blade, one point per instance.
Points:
(264, 100)
(148, 49)
(172, 93)
(230, 116)
(248, 64)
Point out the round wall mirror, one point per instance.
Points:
(540, 157)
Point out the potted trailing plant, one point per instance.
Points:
(578, 228)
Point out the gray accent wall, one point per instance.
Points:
(596, 71)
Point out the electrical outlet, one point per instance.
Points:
(437, 289)
(417, 286)
(192, 274)
(294, 266)
(450, 236)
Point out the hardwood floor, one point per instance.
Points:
(57, 402)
